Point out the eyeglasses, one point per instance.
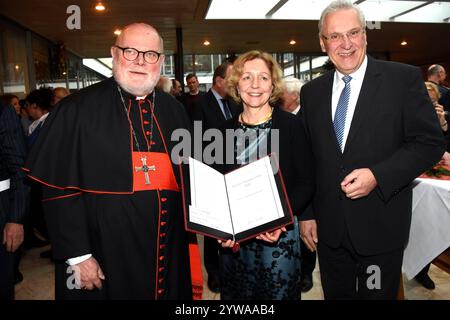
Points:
(132, 54)
(338, 37)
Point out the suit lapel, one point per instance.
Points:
(325, 109)
(217, 109)
(364, 105)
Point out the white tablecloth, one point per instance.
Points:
(430, 224)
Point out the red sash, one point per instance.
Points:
(153, 171)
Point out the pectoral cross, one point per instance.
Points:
(145, 168)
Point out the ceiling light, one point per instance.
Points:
(64, 73)
(206, 43)
(99, 6)
(17, 67)
(117, 32)
(403, 43)
(292, 42)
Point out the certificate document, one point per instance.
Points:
(238, 205)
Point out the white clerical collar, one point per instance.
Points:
(141, 98)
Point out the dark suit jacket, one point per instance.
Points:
(12, 158)
(208, 110)
(394, 132)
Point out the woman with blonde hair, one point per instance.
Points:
(435, 95)
(268, 266)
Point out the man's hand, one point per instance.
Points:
(90, 274)
(308, 233)
(12, 236)
(359, 183)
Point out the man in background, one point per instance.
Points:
(188, 99)
(13, 195)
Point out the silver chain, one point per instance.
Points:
(131, 124)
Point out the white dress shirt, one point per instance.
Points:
(355, 88)
(36, 123)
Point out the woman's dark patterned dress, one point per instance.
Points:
(260, 270)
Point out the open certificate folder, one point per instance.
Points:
(238, 205)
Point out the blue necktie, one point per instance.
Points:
(226, 109)
(341, 111)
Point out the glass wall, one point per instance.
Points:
(24, 53)
(14, 78)
(203, 65)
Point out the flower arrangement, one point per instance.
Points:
(438, 171)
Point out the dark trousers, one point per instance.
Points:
(211, 256)
(345, 274)
(424, 272)
(308, 259)
(6, 274)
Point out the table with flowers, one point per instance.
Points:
(430, 224)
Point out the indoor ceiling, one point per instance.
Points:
(427, 42)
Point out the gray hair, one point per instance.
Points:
(164, 84)
(292, 84)
(341, 5)
(434, 69)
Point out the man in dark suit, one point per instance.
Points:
(188, 99)
(13, 195)
(215, 106)
(373, 130)
(213, 109)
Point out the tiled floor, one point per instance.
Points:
(38, 282)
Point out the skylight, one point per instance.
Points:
(97, 66)
(374, 10)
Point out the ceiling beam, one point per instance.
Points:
(410, 10)
(201, 10)
(275, 8)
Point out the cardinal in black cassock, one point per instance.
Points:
(111, 191)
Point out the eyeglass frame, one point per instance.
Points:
(342, 35)
(159, 54)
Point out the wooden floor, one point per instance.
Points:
(38, 282)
